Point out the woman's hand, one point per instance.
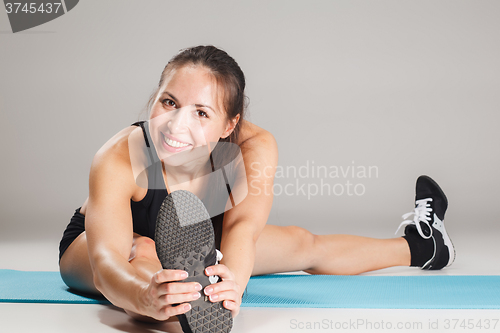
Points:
(227, 290)
(164, 291)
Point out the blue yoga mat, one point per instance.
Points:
(375, 292)
(302, 291)
(39, 287)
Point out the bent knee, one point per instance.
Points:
(143, 247)
(303, 250)
(298, 232)
(303, 238)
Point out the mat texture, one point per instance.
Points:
(39, 287)
(375, 292)
(301, 291)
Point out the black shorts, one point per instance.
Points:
(75, 227)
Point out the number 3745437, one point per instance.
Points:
(32, 8)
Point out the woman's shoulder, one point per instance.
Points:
(111, 169)
(258, 143)
(117, 145)
(115, 152)
(111, 180)
(251, 135)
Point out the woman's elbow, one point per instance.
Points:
(244, 230)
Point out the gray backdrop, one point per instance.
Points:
(404, 87)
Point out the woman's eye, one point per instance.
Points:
(202, 113)
(169, 102)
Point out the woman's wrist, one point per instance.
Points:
(144, 300)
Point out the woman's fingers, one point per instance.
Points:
(227, 290)
(170, 299)
(170, 311)
(165, 281)
(171, 296)
(169, 288)
(230, 295)
(232, 306)
(220, 287)
(220, 270)
(169, 275)
(165, 291)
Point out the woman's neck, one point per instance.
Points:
(186, 176)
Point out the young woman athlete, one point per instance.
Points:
(109, 248)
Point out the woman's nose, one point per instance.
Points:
(179, 119)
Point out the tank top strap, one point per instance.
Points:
(155, 168)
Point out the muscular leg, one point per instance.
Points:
(282, 249)
(76, 271)
(75, 266)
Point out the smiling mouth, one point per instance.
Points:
(173, 143)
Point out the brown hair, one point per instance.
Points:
(226, 72)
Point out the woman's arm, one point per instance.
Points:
(244, 223)
(108, 223)
(109, 231)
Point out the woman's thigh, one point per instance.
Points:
(283, 249)
(77, 273)
(75, 267)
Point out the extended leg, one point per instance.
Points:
(282, 249)
(77, 273)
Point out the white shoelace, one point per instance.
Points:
(421, 213)
(213, 278)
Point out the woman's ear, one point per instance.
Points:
(230, 126)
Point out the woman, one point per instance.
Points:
(106, 248)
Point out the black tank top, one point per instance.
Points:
(144, 212)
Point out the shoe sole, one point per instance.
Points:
(449, 244)
(184, 238)
(451, 250)
(446, 238)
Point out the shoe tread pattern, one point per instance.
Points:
(186, 247)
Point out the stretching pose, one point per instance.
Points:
(109, 247)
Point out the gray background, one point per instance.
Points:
(411, 87)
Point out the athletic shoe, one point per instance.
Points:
(185, 240)
(430, 245)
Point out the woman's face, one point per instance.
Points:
(187, 118)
